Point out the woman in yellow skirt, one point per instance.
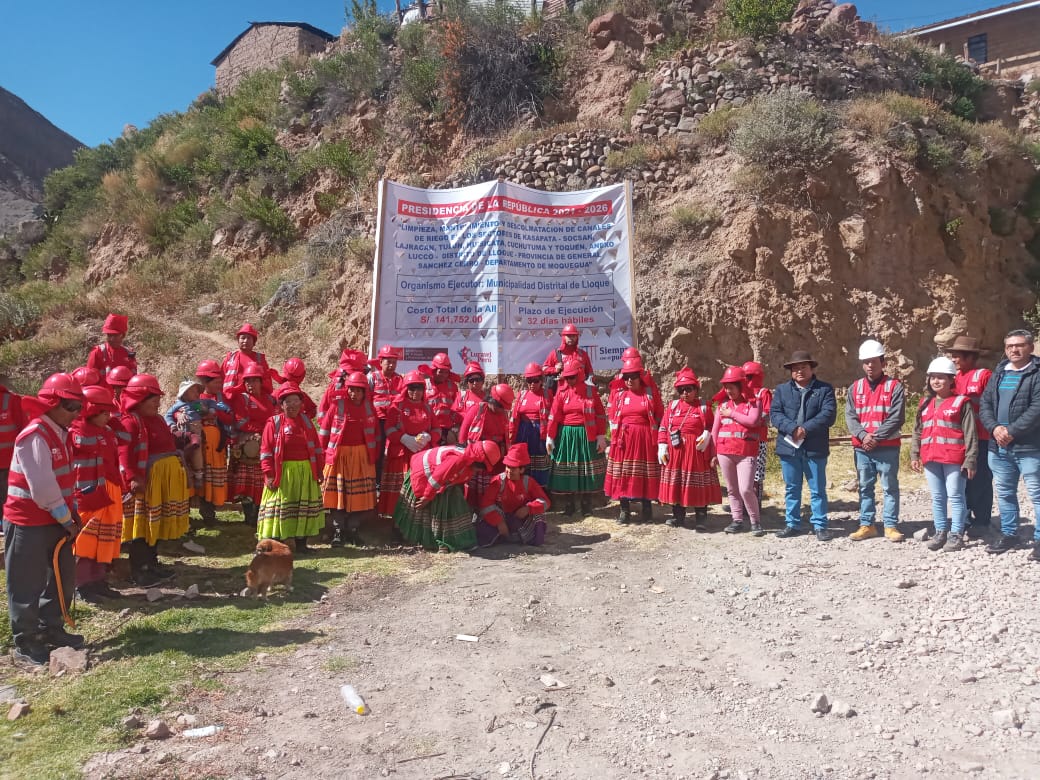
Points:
(99, 493)
(349, 435)
(158, 505)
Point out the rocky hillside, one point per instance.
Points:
(30, 148)
(806, 182)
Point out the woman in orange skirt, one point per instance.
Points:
(99, 494)
(349, 435)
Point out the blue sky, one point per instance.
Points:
(93, 67)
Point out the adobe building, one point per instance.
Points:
(1004, 40)
(262, 46)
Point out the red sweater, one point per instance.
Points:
(289, 438)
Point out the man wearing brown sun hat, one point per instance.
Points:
(971, 381)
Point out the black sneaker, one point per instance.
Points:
(162, 571)
(1003, 544)
(1035, 555)
(672, 522)
(624, 517)
(789, 531)
(145, 578)
(57, 636)
(89, 595)
(586, 505)
(823, 535)
(735, 528)
(938, 541)
(31, 655)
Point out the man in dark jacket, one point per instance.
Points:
(803, 412)
(1010, 411)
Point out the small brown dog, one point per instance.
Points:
(272, 565)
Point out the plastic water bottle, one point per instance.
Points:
(353, 699)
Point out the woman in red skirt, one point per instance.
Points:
(633, 472)
(486, 421)
(685, 450)
(252, 407)
(409, 429)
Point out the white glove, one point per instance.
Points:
(601, 443)
(550, 445)
(703, 440)
(423, 439)
(410, 442)
(662, 454)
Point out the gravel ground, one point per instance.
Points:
(683, 654)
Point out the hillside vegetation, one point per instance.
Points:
(794, 186)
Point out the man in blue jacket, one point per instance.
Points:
(803, 412)
(1010, 411)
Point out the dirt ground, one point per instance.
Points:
(685, 654)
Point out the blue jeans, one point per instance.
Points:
(883, 462)
(1007, 466)
(813, 470)
(947, 481)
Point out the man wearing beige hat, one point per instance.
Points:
(971, 381)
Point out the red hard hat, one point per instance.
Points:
(119, 376)
(393, 353)
(751, 368)
(248, 330)
(287, 389)
(572, 368)
(414, 378)
(631, 352)
(532, 370)
(294, 369)
(632, 366)
(97, 399)
(492, 453)
(733, 374)
(86, 376)
(254, 371)
(471, 369)
(441, 360)
(685, 377)
(570, 329)
(504, 394)
(357, 379)
(142, 385)
(58, 386)
(210, 369)
(115, 323)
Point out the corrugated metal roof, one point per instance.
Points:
(302, 25)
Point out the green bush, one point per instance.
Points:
(19, 316)
(759, 18)
(950, 81)
(640, 92)
(783, 129)
(266, 212)
(172, 223)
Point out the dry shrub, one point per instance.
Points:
(716, 126)
(870, 115)
(146, 176)
(783, 129)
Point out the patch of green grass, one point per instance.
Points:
(640, 92)
(166, 649)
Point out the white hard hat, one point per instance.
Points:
(942, 365)
(871, 349)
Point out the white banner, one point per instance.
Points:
(493, 271)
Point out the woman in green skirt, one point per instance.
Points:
(291, 460)
(577, 439)
(432, 510)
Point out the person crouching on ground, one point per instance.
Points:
(433, 511)
(291, 460)
(577, 439)
(38, 516)
(99, 493)
(633, 471)
(945, 446)
(155, 478)
(513, 507)
(685, 450)
(349, 434)
(735, 432)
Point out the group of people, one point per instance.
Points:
(452, 464)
